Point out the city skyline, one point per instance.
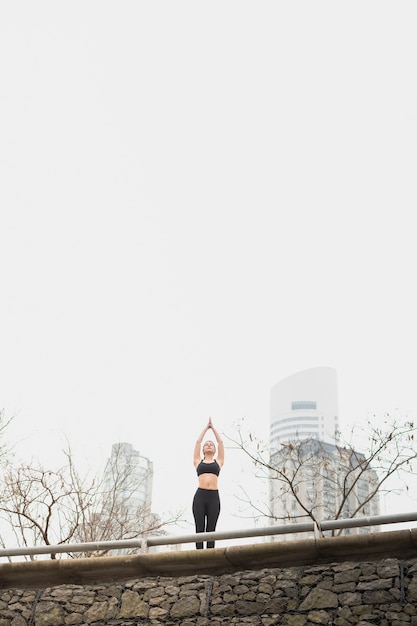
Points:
(197, 201)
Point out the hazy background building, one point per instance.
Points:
(304, 405)
(323, 479)
(127, 492)
(131, 474)
(326, 480)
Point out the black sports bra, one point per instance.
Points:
(208, 468)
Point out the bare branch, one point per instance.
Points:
(47, 507)
(318, 480)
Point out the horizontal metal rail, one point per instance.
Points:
(162, 540)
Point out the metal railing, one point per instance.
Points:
(143, 543)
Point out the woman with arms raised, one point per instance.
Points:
(206, 503)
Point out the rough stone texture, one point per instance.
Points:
(133, 605)
(341, 594)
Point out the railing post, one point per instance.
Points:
(318, 533)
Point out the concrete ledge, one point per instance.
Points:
(401, 544)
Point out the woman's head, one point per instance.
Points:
(209, 448)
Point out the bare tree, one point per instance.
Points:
(41, 506)
(5, 448)
(53, 507)
(121, 508)
(312, 479)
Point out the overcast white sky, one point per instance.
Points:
(197, 200)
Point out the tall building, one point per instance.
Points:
(314, 476)
(304, 405)
(323, 481)
(128, 491)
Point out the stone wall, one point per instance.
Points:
(373, 593)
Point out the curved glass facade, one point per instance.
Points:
(304, 405)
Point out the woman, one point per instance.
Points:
(206, 503)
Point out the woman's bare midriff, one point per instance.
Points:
(208, 481)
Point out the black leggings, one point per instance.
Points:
(206, 510)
